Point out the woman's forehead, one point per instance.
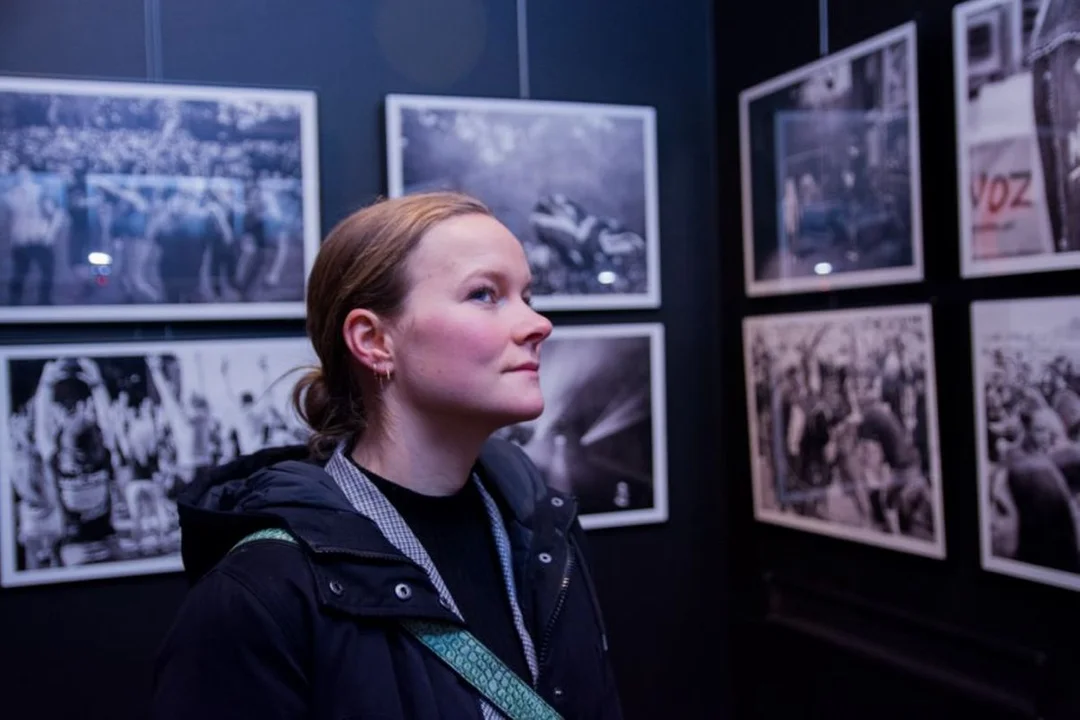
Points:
(467, 245)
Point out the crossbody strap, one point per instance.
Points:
(464, 654)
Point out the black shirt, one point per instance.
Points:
(456, 532)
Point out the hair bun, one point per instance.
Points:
(316, 404)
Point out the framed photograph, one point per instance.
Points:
(830, 172)
(123, 201)
(603, 434)
(1026, 356)
(576, 184)
(1016, 106)
(97, 440)
(843, 425)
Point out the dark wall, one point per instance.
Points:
(827, 628)
(85, 649)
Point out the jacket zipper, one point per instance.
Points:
(559, 602)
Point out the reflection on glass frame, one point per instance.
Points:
(124, 201)
(1026, 361)
(842, 413)
(575, 182)
(603, 434)
(97, 441)
(1016, 106)
(830, 171)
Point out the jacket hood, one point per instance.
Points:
(287, 488)
(270, 488)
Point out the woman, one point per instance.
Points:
(402, 510)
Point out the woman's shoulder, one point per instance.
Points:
(260, 587)
(273, 573)
(249, 618)
(265, 558)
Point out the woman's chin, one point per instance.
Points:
(523, 410)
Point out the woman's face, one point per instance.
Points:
(467, 345)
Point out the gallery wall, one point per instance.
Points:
(830, 627)
(85, 648)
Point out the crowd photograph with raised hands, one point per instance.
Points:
(133, 201)
(99, 440)
(843, 425)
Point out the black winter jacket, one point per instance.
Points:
(277, 631)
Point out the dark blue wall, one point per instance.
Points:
(84, 650)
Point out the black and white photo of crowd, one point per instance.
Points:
(601, 435)
(574, 183)
(1028, 360)
(120, 200)
(843, 425)
(830, 160)
(101, 442)
(1018, 101)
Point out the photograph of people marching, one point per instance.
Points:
(575, 182)
(128, 201)
(1027, 383)
(603, 434)
(100, 440)
(843, 425)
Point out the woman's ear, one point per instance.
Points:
(367, 339)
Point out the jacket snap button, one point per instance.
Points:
(335, 587)
(557, 501)
(558, 692)
(403, 591)
(545, 558)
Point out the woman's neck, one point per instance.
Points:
(418, 456)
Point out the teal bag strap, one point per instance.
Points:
(471, 659)
(464, 654)
(267, 534)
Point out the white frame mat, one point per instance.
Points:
(823, 276)
(553, 179)
(132, 425)
(1029, 327)
(148, 189)
(814, 328)
(566, 379)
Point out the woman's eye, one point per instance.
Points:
(483, 294)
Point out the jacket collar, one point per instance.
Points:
(517, 482)
(356, 568)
